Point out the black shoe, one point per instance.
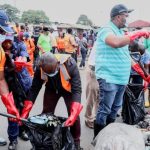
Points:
(24, 136)
(2, 142)
(13, 145)
(97, 128)
(77, 146)
(109, 120)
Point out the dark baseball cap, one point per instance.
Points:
(119, 9)
(45, 29)
(4, 22)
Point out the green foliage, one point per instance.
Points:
(84, 20)
(30, 16)
(12, 12)
(35, 17)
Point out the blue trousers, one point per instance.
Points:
(83, 54)
(110, 101)
(13, 130)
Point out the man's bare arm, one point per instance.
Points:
(3, 84)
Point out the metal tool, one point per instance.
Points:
(12, 116)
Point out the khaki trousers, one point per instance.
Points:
(92, 94)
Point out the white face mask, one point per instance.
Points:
(52, 74)
(2, 38)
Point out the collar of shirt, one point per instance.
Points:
(115, 27)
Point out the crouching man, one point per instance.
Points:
(61, 76)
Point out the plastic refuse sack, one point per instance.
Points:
(119, 136)
(46, 132)
(133, 109)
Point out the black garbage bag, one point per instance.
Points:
(46, 132)
(133, 109)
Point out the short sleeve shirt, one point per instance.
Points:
(147, 44)
(45, 42)
(112, 64)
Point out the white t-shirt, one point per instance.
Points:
(91, 60)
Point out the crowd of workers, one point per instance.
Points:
(30, 60)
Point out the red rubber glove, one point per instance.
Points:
(145, 85)
(8, 101)
(20, 63)
(75, 110)
(138, 69)
(148, 79)
(26, 109)
(138, 34)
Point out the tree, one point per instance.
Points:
(84, 20)
(35, 17)
(12, 12)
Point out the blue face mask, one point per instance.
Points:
(52, 74)
(2, 38)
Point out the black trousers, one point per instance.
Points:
(51, 99)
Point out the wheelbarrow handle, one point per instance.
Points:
(12, 116)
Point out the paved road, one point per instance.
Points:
(86, 135)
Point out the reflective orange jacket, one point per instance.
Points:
(64, 75)
(2, 59)
(69, 48)
(60, 43)
(30, 48)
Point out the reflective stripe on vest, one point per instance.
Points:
(65, 78)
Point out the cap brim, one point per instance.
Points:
(130, 10)
(126, 11)
(7, 29)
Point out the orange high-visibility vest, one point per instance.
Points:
(30, 48)
(60, 43)
(2, 59)
(68, 46)
(64, 75)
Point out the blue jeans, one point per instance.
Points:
(13, 130)
(83, 54)
(110, 101)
